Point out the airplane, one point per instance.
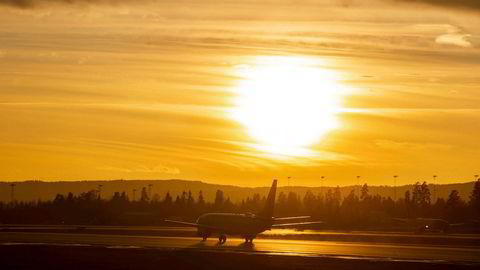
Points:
(247, 225)
(422, 225)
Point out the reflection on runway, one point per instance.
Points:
(271, 246)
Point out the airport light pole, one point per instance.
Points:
(288, 182)
(100, 192)
(358, 185)
(434, 187)
(322, 181)
(134, 191)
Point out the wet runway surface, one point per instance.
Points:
(269, 246)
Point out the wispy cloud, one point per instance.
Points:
(475, 4)
(156, 169)
(456, 39)
(34, 3)
(472, 4)
(411, 146)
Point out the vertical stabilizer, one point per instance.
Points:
(270, 203)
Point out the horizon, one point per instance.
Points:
(29, 191)
(241, 186)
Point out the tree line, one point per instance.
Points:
(358, 210)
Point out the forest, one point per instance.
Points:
(357, 210)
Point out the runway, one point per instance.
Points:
(370, 251)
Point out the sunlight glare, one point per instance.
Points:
(287, 103)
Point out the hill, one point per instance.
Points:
(45, 190)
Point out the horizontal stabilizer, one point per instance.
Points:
(194, 225)
(182, 223)
(404, 220)
(297, 224)
(290, 218)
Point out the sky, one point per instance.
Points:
(240, 92)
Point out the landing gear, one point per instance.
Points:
(222, 238)
(204, 235)
(249, 239)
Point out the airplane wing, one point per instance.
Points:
(297, 224)
(182, 223)
(194, 225)
(290, 218)
(404, 220)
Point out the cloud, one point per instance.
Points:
(473, 4)
(454, 36)
(466, 4)
(144, 169)
(34, 3)
(455, 39)
(27, 3)
(407, 146)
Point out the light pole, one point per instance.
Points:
(100, 191)
(395, 187)
(134, 191)
(321, 187)
(358, 185)
(434, 187)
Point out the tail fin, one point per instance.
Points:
(270, 203)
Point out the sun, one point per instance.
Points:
(286, 103)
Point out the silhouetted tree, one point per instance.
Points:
(425, 198)
(347, 213)
(190, 200)
(116, 197)
(475, 198)
(201, 200)
(281, 206)
(156, 198)
(309, 202)
(70, 198)
(168, 199)
(219, 198)
(349, 209)
(416, 195)
(144, 195)
(228, 205)
(364, 192)
(408, 204)
(183, 199)
(453, 206)
(124, 197)
(293, 203)
(59, 199)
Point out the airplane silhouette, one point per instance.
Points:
(247, 225)
(422, 225)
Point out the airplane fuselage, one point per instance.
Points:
(430, 224)
(234, 224)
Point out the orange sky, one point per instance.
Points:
(153, 90)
